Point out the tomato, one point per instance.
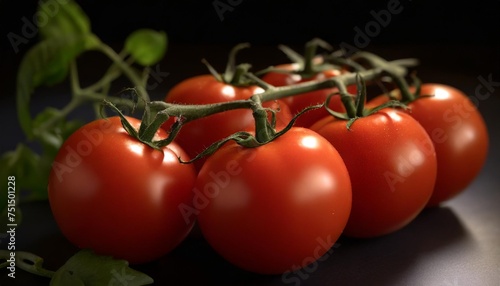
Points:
(392, 165)
(298, 102)
(113, 194)
(277, 207)
(197, 135)
(458, 132)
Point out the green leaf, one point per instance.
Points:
(63, 19)
(146, 46)
(52, 139)
(30, 169)
(47, 63)
(89, 269)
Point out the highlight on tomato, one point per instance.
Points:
(391, 162)
(197, 135)
(118, 196)
(457, 130)
(277, 207)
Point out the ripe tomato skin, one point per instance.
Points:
(273, 208)
(392, 165)
(197, 135)
(298, 102)
(458, 132)
(115, 195)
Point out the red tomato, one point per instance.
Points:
(197, 135)
(113, 194)
(392, 165)
(298, 102)
(277, 207)
(458, 132)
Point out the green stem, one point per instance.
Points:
(310, 53)
(193, 111)
(238, 75)
(310, 69)
(395, 71)
(340, 81)
(152, 128)
(262, 130)
(112, 74)
(361, 96)
(75, 84)
(348, 105)
(292, 55)
(126, 69)
(28, 262)
(229, 73)
(63, 113)
(259, 82)
(98, 97)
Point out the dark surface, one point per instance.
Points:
(456, 244)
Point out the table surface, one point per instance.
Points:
(455, 244)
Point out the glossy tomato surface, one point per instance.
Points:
(117, 196)
(277, 207)
(392, 164)
(458, 132)
(197, 135)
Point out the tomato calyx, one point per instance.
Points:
(234, 74)
(355, 105)
(406, 96)
(147, 129)
(308, 65)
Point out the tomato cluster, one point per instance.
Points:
(273, 207)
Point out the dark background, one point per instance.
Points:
(457, 43)
(455, 29)
(274, 22)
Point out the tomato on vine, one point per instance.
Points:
(116, 195)
(276, 207)
(392, 164)
(457, 130)
(197, 135)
